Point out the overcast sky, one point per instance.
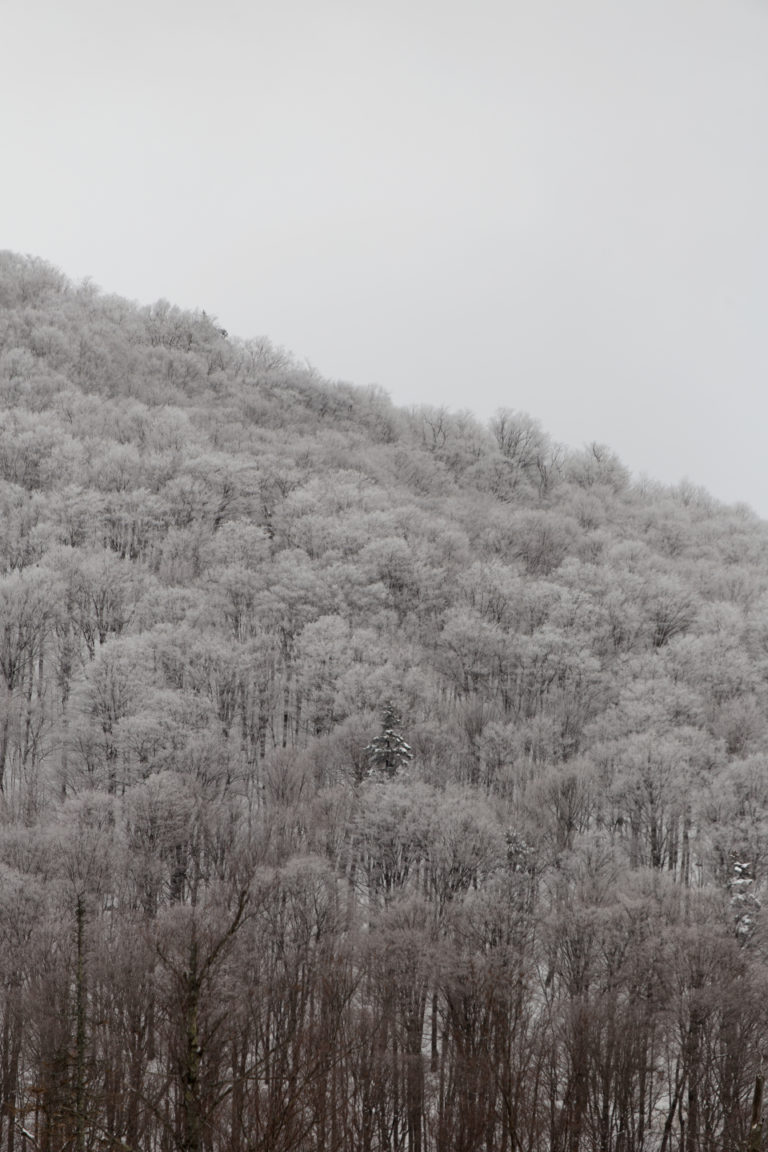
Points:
(559, 206)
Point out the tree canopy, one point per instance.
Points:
(371, 780)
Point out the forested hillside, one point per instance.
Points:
(371, 779)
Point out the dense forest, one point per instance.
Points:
(371, 780)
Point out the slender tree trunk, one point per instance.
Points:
(287, 704)
(4, 743)
(433, 1037)
(685, 866)
(756, 1126)
(191, 1140)
(694, 1054)
(671, 1115)
(414, 1086)
(11, 1056)
(80, 1027)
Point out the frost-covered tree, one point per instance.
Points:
(230, 922)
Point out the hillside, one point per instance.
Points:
(371, 779)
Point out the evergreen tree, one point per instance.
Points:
(389, 751)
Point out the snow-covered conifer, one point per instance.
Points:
(389, 751)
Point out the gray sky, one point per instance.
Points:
(553, 205)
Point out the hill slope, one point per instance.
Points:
(370, 778)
